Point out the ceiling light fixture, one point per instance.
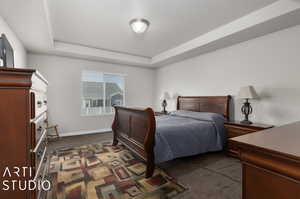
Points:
(139, 26)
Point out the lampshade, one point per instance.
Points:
(165, 96)
(139, 25)
(247, 92)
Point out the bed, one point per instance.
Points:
(196, 127)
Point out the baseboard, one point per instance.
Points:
(74, 133)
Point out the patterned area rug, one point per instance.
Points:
(101, 171)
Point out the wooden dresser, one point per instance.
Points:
(271, 163)
(235, 129)
(23, 141)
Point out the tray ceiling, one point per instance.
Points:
(104, 24)
(99, 29)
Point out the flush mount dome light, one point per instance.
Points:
(139, 25)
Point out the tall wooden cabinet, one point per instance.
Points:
(23, 143)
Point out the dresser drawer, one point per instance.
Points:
(41, 175)
(40, 154)
(40, 165)
(38, 103)
(39, 83)
(38, 127)
(39, 151)
(42, 194)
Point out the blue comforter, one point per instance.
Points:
(186, 133)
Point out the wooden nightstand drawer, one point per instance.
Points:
(234, 132)
(235, 129)
(232, 149)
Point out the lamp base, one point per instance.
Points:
(246, 122)
(246, 110)
(164, 105)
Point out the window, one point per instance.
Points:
(100, 92)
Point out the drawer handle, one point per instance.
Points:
(45, 101)
(39, 103)
(39, 154)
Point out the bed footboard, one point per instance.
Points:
(135, 128)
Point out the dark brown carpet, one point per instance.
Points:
(208, 176)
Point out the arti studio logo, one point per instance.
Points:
(14, 180)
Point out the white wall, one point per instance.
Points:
(270, 63)
(19, 50)
(64, 96)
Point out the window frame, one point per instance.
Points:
(104, 87)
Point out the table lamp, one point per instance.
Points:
(165, 96)
(247, 93)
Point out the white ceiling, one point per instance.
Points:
(99, 29)
(104, 24)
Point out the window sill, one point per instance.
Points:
(105, 114)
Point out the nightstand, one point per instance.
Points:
(236, 128)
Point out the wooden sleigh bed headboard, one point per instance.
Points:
(213, 104)
(135, 128)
